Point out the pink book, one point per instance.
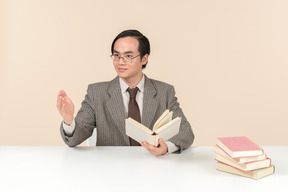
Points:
(239, 147)
(246, 166)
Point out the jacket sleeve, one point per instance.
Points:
(185, 137)
(84, 122)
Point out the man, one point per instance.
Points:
(107, 104)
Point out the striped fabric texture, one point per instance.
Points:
(103, 108)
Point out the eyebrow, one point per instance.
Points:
(114, 51)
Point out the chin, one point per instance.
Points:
(122, 75)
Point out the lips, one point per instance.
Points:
(122, 69)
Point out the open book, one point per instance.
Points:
(164, 128)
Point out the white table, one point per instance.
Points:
(127, 169)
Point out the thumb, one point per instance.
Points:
(162, 143)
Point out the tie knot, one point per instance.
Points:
(133, 92)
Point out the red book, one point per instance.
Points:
(239, 147)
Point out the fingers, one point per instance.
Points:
(151, 149)
(147, 146)
(65, 107)
(160, 150)
(62, 99)
(163, 146)
(62, 93)
(162, 143)
(59, 101)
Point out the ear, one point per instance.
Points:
(144, 60)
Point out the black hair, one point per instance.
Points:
(144, 45)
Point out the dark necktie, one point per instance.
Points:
(133, 111)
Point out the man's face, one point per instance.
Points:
(127, 48)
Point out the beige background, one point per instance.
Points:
(227, 60)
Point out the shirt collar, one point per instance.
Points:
(124, 86)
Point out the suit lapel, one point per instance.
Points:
(116, 107)
(149, 103)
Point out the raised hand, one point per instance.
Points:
(65, 107)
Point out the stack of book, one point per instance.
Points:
(241, 156)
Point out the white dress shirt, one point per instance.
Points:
(139, 99)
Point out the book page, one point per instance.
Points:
(170, 129)
(138, 132)
(163, 119)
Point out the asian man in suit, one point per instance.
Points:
(107, 104)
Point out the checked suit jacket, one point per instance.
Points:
(103, 108)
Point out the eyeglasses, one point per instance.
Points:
(126, 58)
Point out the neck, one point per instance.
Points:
(133, 82)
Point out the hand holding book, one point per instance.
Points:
(164, 128)
(162, 149)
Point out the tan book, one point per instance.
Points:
(164, 128)
(250, 166)
(257, 174)
(239, 160)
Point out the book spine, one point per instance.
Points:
(242, 169)
(156, 138)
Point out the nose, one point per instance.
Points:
(121, 61)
